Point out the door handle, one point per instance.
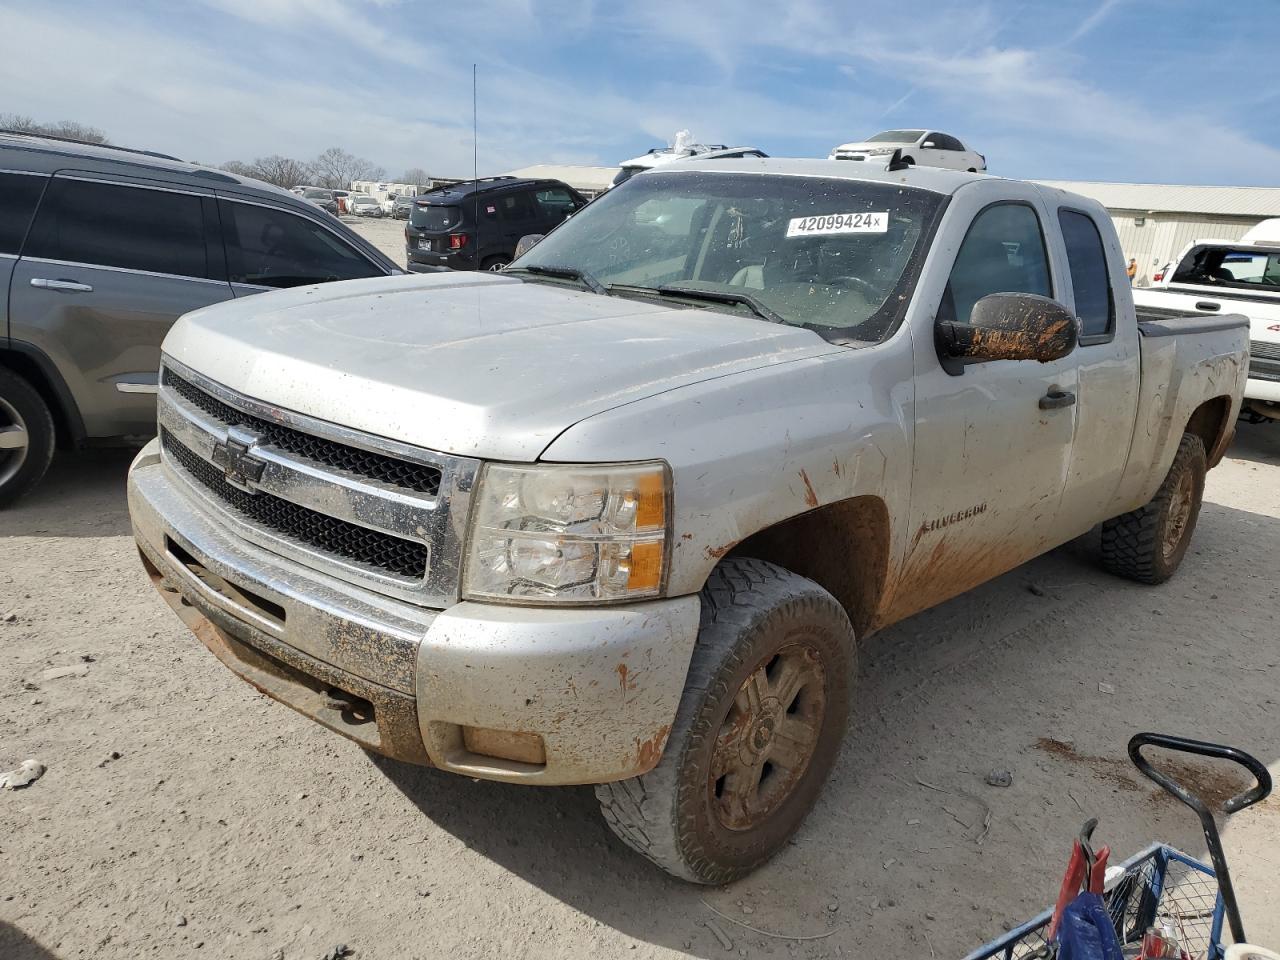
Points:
(1208, 305)
(1057, 399)
(67, 286)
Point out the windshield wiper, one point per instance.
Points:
(568, 273)
(723, 296)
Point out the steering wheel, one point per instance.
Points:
(865, 286)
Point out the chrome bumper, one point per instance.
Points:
(578, 695)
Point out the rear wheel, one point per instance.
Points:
(1149, 543)
(758, 729)
(26, 437)
(495, 263)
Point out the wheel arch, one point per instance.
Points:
(37, 369)
(842, 546)
(1211, 423)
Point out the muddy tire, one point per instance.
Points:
(759, 726)
(1149, 543)
(26, 437)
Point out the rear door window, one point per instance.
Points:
(517, 207)
(109, 225)
(1090, 281)
(1003, 252)
(270, 247)
(19, 194)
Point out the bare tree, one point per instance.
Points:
(416, 176)
(282, 171)
(239, 168)
(71, 129)
(336, 168)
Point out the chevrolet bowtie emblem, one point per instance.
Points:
(239, 466)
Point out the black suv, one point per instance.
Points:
(101, 250)
(476, 225)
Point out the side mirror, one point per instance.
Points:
(1008, 326)
(527, 243)
(928, 143)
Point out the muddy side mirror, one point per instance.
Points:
(1008, 326)
(527, 243)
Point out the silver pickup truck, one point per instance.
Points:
(620, 514)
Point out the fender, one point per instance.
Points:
(29, 357)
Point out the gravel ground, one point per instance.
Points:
(385, 233)
(184, 815)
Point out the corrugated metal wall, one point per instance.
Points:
(1163, 237)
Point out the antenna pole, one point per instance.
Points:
(475, 164)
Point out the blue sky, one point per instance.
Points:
(1178, 91)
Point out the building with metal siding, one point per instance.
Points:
(1157, 221)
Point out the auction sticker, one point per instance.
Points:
(830, 223)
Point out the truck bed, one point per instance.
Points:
(1168, 322)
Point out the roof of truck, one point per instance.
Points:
(937, 179)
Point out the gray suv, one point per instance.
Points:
(101, 250)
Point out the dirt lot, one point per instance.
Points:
(385, 233)
(183, 814)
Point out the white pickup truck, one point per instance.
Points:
(1241, 276)
(620, 514)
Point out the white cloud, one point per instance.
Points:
(230, 79)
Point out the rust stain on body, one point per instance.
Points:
(810, 497)
(951, 566)
(715, 553)
(649, 752)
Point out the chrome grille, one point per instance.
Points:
(375, 512)
(356, 544)
(1264, 351)
(364, 463)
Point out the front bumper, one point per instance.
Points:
(579, 695)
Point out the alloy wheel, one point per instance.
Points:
(14, 441)
(768, 736)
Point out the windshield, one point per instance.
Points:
(1246, 268)
(837, 255)
(896, 136)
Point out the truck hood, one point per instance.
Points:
(475, 364)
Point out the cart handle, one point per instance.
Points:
(1259, 791)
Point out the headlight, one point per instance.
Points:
(552, 533)
(880, 151)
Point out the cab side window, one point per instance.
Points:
(270, 247)
(1090, 281)
(1003, 252)
(107, 225)
(555, 203)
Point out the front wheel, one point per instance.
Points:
(1148, 544)
(494, 264)
(26, 437)
(759, 727)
